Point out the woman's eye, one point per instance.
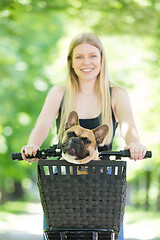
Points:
(93, 56)
(78, 57)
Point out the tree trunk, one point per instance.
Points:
(137, 190)
(18, 193)
(158, 198)
(148, 179)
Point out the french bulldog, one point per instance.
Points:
(80, 145)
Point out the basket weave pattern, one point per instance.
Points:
(95, 200)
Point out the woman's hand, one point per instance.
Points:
(29, 150)
(137, 151)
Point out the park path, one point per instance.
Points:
(29, 225)
(23, 226)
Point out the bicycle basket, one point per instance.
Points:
(94, 200)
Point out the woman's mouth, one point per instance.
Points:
(87, 70)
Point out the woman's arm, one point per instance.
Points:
(123, 113)
(44, 121)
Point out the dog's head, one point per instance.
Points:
(80, 145)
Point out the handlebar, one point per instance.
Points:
(55, 151)
(123, 153)
(52, 151)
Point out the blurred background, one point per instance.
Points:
(34, 39)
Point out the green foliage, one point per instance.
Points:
(30, 36)
(27, 46)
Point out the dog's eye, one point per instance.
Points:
(85, 140)
(71, 134)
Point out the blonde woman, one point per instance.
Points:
(89, 93)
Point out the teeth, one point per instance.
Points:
(87, 70)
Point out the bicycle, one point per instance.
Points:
(89, 206)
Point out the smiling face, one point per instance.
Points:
(86, 61)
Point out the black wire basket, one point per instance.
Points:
(95, 200)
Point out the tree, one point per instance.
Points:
(29, 38)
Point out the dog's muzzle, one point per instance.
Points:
(75, 147)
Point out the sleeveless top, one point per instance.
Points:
(92, 123)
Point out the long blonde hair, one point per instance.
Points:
(102, 86)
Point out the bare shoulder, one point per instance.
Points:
(119, 94)
(121, 104)
(58, 90)
(54, 98)
(120, 101)
(56, 93)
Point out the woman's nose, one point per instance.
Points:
(86, 60)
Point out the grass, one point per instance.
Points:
(15, 207)
(133, 215)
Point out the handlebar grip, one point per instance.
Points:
(126, 153)
(18, 156)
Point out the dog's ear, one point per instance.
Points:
(100, 133)
(72, 120)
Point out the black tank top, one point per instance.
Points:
(95, 122)
(92, 123)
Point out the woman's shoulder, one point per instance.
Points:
(119, 94)
(57, 91)
(55, 95)
(118, 91)
(58, 88)
(120, 100)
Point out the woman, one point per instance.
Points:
(89, 93)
